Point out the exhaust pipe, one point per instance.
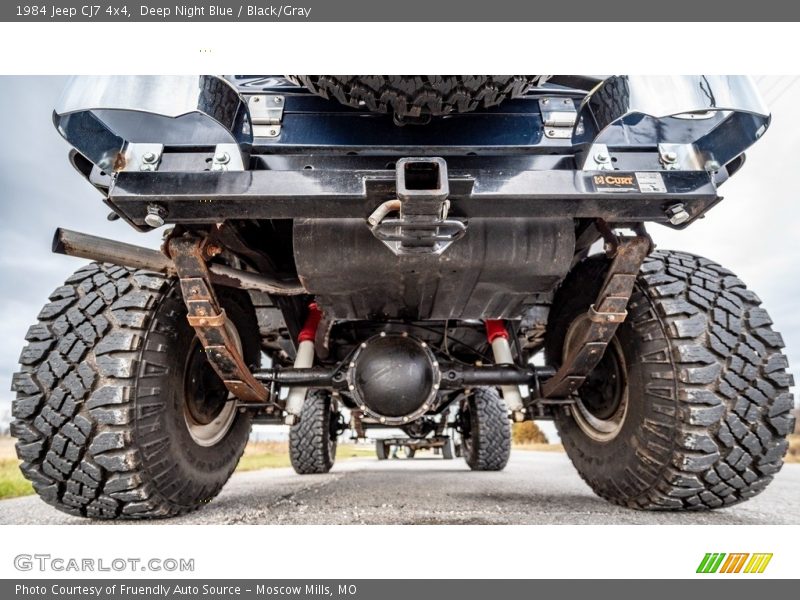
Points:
(83, 245)
(92, 247)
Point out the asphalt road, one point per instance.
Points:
(535, 488)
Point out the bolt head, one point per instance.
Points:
(601, 157)
(278, 100)
(670, 157)
(222, 157)
(273, 132)
(149, 157)
(154, 220)
(677, 214)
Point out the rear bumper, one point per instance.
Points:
(650, 142)
(211, 197)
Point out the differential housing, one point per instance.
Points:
(393, 378)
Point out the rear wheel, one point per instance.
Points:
(486, 430)
(118, 413)
(382, 450)
(312, 441)
(690, 406)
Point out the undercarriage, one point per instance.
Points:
(445, 269)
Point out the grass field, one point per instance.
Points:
(271, 455)
(12, 483)
(539, 447)
(793, 456)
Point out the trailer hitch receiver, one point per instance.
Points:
(423, 226)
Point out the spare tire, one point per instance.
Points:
(418, 97)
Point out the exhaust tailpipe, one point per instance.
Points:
(92, 247)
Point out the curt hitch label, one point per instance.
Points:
(646, 183)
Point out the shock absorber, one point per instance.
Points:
(303, 360)
(497, 335)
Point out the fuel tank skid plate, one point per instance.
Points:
(496, 270)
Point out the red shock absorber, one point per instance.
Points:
(495, 328)
(309, 331)
(497, 335)
(303, 360)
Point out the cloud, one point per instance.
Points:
(39, 191)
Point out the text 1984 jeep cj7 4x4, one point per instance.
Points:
(397, 249)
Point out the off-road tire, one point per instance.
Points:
(312, 440)
(98, 417)
(416, 96)
(381, 450)
(708, 392)
(487, 443)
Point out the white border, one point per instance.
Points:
(193, 48)
(369, 552)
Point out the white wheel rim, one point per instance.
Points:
(599, 430)
(210, 434)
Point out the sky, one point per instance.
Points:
(755, 231)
